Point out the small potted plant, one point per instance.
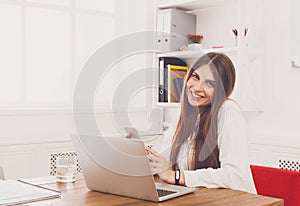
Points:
(196, 40)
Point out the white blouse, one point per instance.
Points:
(234, 171)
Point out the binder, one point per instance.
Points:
(164, 84)
(162, 90)
(178, 86)
(175, 78)
(172, 27)
(159, 32)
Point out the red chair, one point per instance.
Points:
(277, 183)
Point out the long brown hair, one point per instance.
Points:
(205, 151)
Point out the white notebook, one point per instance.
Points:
(16, 191)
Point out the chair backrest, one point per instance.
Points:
(278, 183)
(1, 174)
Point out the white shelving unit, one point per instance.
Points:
(192, 5)
(192, 54)
(215, 20)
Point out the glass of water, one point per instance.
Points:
(66, 168)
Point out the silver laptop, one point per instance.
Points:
(118, 165)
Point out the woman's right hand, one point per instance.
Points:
(159, 165)
(131, 133)
(128, 135)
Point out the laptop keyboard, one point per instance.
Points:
(162, 193)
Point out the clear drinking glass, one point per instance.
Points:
(66, 168)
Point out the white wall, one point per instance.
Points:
(29, 135)
(38, 125)
(278, 124)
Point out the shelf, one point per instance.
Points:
(192, 5)
(197, 53)
(177, 105)
(168, 105)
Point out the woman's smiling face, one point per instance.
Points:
(201, 86)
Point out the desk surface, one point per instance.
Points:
(78, 194)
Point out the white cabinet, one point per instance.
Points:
(216, 19)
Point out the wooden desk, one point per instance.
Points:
(77, 193)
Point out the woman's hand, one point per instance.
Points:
(131, 132)
(160, 166)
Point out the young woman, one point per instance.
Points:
(208, 146)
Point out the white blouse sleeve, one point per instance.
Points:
(234, 171)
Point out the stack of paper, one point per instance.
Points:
(14, 191)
